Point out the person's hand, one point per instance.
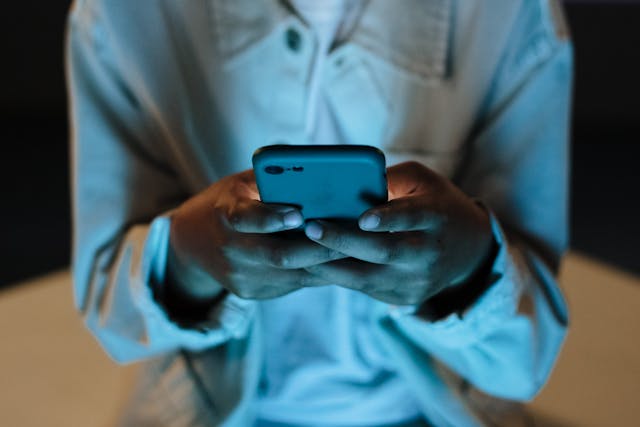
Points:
(224, 237)
(428, 237)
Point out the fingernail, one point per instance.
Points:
(283, 209)
(369, 221)
(292, 219)
(313, 230)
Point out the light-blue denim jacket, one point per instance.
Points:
(169, 96)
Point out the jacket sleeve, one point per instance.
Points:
(123, 189)
(506, 343)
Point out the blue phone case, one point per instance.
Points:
(337, 182)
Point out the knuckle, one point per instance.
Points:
(313, 271)
(286, 261)
(387, 256)
(395, 223)
(232, 217)
(414, 166)
(280, 259)
(266, 221)
(338, 240)
(390, 254)
(330, 255)
(234, 221)
(275, 258)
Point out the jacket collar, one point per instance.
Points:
(414, 37)
(239, 24)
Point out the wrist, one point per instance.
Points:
(457, 298)
(190, 281)
(482, 243)
(187, 293)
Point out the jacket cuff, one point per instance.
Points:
(497, 303)
(229, 318)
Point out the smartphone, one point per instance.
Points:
(335, 182)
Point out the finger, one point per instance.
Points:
(244, 184)
(262, 283)
(253, 216)
(262, 292)
(390, 297)
(384, 283)
(376, 248)
(281, 251)
(409, 178)
(355, 274)
(411, 213)
(256, 291)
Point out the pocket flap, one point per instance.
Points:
(411, 34)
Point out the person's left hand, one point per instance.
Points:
(428, 237)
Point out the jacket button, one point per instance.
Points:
(293, 39)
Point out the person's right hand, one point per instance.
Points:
(224, 237)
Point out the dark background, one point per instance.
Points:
(34, 167)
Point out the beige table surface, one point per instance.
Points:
(53, 373)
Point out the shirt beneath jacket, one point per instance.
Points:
(170, 96)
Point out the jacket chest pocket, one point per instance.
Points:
(388, 83)
(263, 56)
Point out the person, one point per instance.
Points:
(442, 300)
